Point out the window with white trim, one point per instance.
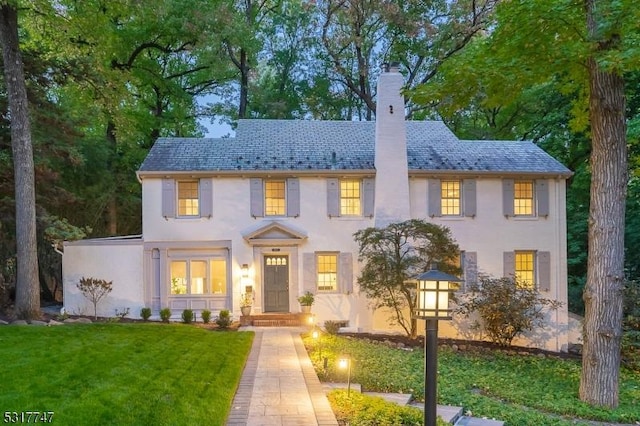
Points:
(525, 268)
(327, 271)
(200, 276)
(523, 201)
(450, 197)
(350, 197)
(188, 198)
(274, 198)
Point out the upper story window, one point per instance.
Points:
(350, 197)
(523, 201)
(274, 198)
(188, 198)
(327, 270)
(450, 197)
(525, 197)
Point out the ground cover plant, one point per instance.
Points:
(356, 409)
(519, 389)
(145, 373)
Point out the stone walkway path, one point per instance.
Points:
(279, 386)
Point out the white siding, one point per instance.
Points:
(119, 261)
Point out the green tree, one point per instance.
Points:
(144, 66)
(585, 50)
(27, 284)
(394, 256)
(95, 290)
(358, 36)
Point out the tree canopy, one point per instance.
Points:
(393, 256)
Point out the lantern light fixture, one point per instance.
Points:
(433, 291)
(432, 305)
(245, 270)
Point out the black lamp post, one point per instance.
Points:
(345, 362)
(432, 305)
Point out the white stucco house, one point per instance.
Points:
(272, 212)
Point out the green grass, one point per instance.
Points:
(107, 374)
(519, 389)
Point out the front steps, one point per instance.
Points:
(277, 320)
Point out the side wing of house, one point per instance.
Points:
(115, 260)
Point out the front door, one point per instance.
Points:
(276, 283)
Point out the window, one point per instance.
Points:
(350, 197)
(188, 201)
(327, 270)
(179, 277)
(218, 276)
(450, 197)
(274, 198)
(350, 201)
(523, 198)
(187, 198)
(525, 268)
(530, 268)
(198, 276)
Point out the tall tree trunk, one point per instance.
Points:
(112, 205)
(27, 284)
(244, 84)
(605, 265)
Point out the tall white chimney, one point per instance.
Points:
(392, 175)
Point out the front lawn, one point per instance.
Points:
(519, 389)
(159, 374)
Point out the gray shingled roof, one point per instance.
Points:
(270, 145)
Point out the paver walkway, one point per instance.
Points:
(279, 386)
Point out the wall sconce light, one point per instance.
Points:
(245, 270)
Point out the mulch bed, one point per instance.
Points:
(399, 340)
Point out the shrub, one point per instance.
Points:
(306, 299)
(506, 307)
(94, 290)
(332, 327)
(165, 314)
(122, 314)
(206, 316)
(224, 319)
(145, 313)
(187, 316)
(357, 409)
